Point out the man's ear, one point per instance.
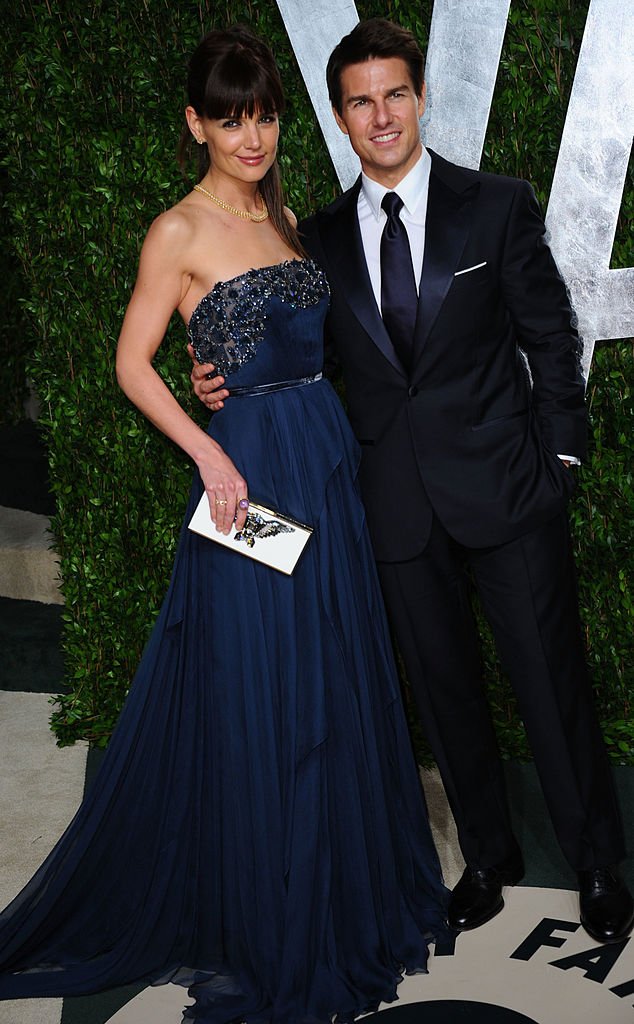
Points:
(422, 100)
(340, 121)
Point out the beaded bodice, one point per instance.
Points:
(275, 312)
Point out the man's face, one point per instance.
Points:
(380, 112)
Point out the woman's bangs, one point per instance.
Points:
(244, 91)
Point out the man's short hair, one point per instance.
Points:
(374, 38)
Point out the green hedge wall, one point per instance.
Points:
(14, 332)
(91, 114)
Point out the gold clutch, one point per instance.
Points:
(267, 536)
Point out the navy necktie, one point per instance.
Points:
(399, 300)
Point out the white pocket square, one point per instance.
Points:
(467, 270)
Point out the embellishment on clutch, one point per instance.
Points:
(229, 322)
(257, 528)
(287, 537)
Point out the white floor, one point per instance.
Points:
(41, 786)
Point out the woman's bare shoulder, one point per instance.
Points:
(177, 233)
(290, 216)
(173, 227)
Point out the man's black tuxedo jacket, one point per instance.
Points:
(464, 433)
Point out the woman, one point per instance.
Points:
(257, 831)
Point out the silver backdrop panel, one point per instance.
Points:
(590, 174)
(462, 63)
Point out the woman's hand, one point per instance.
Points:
(226, 490)
(208, 386)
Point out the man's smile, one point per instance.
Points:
(389, 137)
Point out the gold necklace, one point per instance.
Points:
(244, 214)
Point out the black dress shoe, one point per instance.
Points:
(478, 895)
(605, 902)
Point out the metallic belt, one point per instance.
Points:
(280, 385)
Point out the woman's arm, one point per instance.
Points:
(161, 285)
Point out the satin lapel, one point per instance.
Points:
(341, 238)
(447, 226)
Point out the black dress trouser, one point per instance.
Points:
(528, 592)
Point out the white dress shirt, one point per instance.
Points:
(413, 191)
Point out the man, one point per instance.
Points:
(438, 276)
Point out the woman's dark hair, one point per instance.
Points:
(232, 73)
(374, 38)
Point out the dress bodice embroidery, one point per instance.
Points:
(230, 322)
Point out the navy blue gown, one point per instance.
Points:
(257, 830)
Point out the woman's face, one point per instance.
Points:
(241, 148)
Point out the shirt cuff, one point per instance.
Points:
(572, 459)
